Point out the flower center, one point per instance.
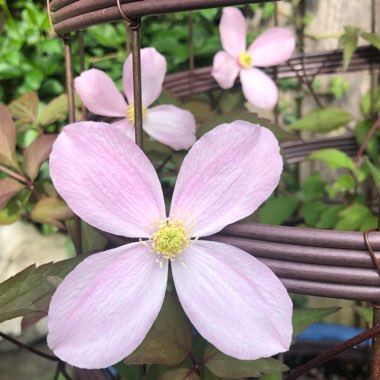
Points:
(131, 113)
(245, 60)
(170, 239)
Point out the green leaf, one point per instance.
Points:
(344, 182)
(7, 138)
(339, 86)
(169, 339)
(361, 132)
(333, 158)
(50, 210)
(278, 209)
(313, 187)
(323, 120)
(365, 103)
(374, 171)
(349, 42)
(20, 295)
(227, 366)
(25, 108)
(8, 188)
(180, 374)
(92, 239)
(55, 110)
(303, 318)
(372, 38)
(281, 134)
(365, 312)
(353, 218)
(36, 153)
(312, 210)
(329, 218)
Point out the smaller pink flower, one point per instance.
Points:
(271, 48)
(167, 124)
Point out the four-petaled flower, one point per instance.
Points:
(167, 124)
(104, 308)
(274, 46)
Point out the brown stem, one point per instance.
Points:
(13, 174)
(326, 356)
(364, 144)
(29, 348)
(163, 163)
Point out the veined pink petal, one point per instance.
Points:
(233, 32)
(125, 126)
(99, 94)
(225, 69)
(233, 300)
(104, 308)
(153, 70)
(171, 126)
(226, 176)
(106, 179)
(274, 46)
(258, 88)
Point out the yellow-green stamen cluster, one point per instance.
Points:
(170, 239)
(245, 60)
(131, 113)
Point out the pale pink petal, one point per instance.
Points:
(99, 94)
(258, 88)
(171, 126)
(233, 32)
(104, 308)
(225, 69)
(126, 126)
(233, 300)
(274, 46)
(106, 179)
(226, 176)
(153, 70)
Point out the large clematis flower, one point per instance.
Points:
(167, 124)
(271, 48)
(104, 308)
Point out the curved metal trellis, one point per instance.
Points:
(316, 262)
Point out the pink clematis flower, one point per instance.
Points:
(104, 308)
(271, 48)
(167, 124)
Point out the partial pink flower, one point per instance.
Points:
(104, 308)
(273, 47)
(167, 124)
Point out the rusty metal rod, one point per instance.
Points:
(69, 77)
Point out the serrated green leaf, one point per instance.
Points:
(303, 318)
(55, 110)
(329, 218)
(313, 187)
(362, 129)
(333, 158)
(372, 38)
(180, 374)
(20, 294)
(345, 182)
(312, 210)
(229, 367)
(278, 209)
(169, 339)
(353, 218)
(374, 171)
(25, 108)
(349, 42)
(323, 120)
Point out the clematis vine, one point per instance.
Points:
(104, 308)
(167, 124)
(273, 47)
